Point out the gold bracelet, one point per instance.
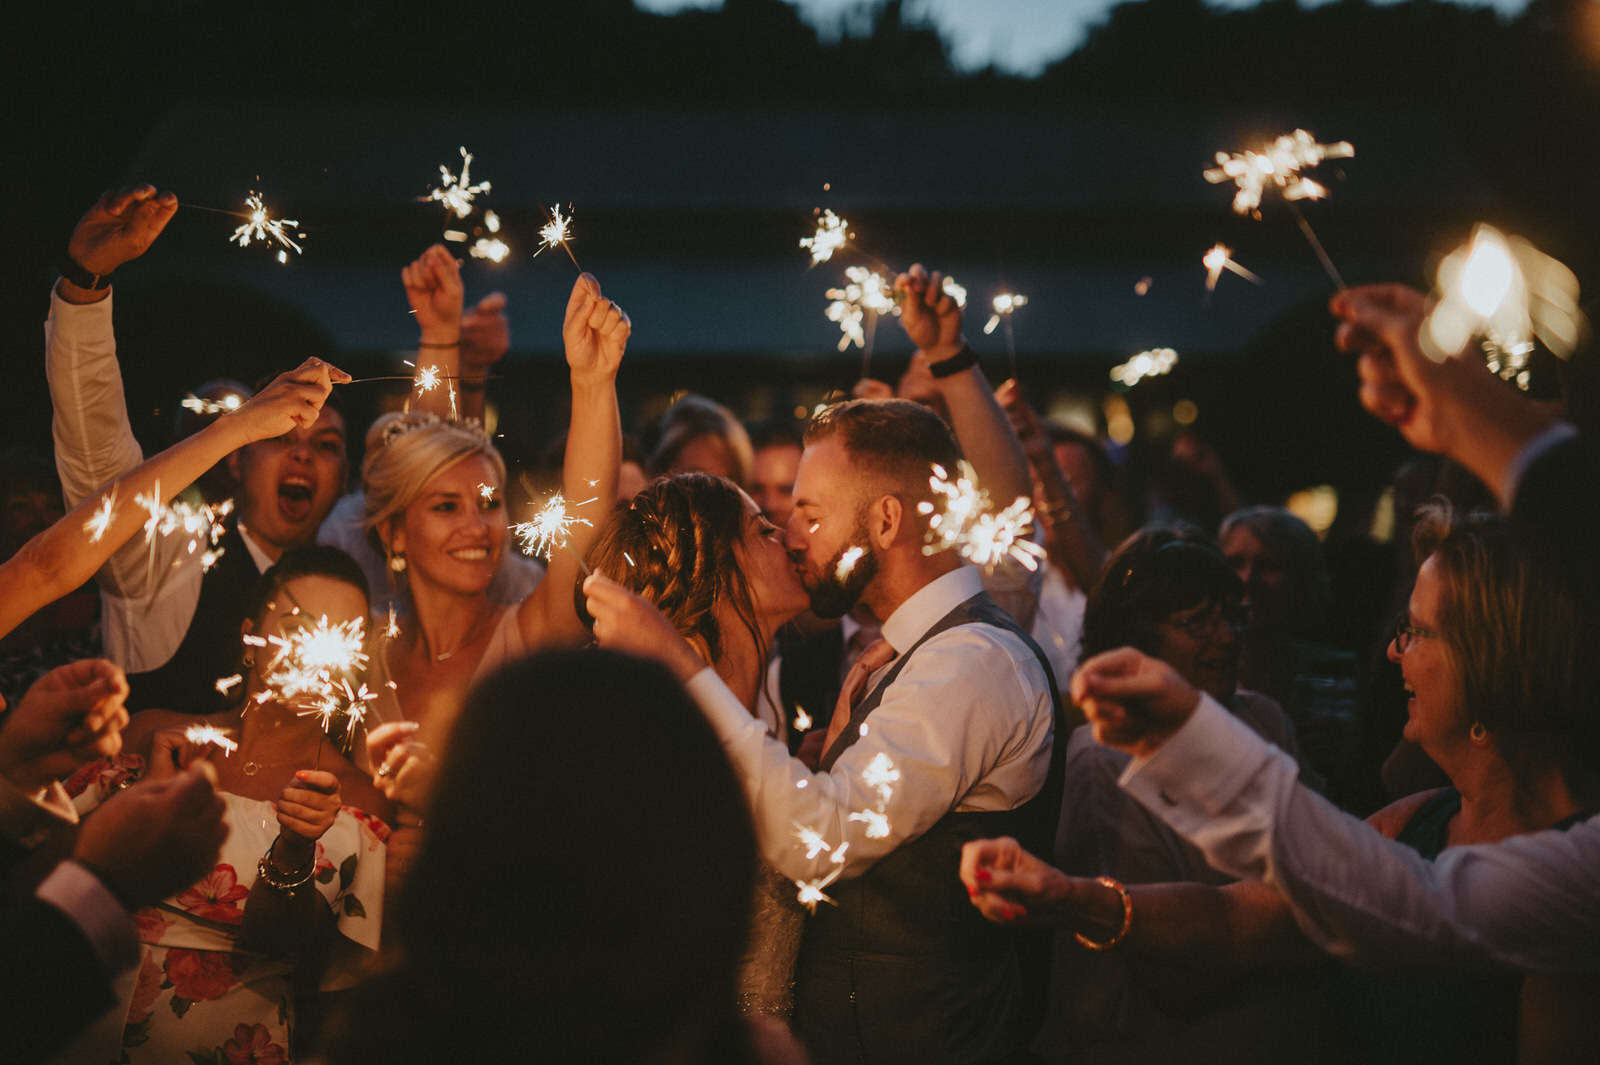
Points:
(287, 884)
(1127, 917)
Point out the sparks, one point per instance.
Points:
(492, 248)
(266, 229)
(811, 891)
(229, 402)
(202, 524)
(341, 701)
(427, 379)
(812, 839)
(881, 775)
(954, 291)
(865, 293)
(555, 231)
(1507, 292)
(1152, 363)
(549, 528)
(204, 734)
(831, 235)
(877, 823)
(968, 522)
(1278, 167)
(847, 562)
(314, 662)
(1004, 304)
(837, 858)
(100, 520)
(225, 685)
(1218, 259)
(391, 631)
(457, 193)
(486, 492)
(802, 720)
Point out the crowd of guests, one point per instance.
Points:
(742, 770)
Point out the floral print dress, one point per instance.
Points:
(197, 997)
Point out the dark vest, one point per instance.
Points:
(211, 648)
(808, 678)
(904, 968)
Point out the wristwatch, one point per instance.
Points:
(72, 271)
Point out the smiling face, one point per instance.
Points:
(453, 534)
(1436, 712)
(1201, 643)
(288, 484)
(775, 589)
(829, 522)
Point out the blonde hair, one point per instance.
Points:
(406, 450)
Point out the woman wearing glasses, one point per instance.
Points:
(1168, 591)
(1487, 648)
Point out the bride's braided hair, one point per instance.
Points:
(680, 534)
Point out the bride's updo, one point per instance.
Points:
(406, 450)
(674, 543)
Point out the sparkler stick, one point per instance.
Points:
(1316, 246)
(1004, 304)
(1218, 259)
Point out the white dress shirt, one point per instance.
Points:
(148, 592)
(1531, 901)
(967, 724)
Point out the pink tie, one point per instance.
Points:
(878, 653)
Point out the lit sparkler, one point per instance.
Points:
(955, 291)
(1508, 292)
(202, 524)
(457, 193)
(313, 662)
(812, 840)
(427, 379)
(832, 234)
(1278, 167)
(847, 562)
(857, 305)
(100, 520)
(811, 891)
(391, 631)
(204, 734)
(225, 685)
(1152, 363)
(1004, 304)
(1218, 259)
(549, 529)
(486, 492)
(968, 522)
(260, 226)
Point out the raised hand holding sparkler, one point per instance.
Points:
(434, 291)
(931, 316)
(119, 228)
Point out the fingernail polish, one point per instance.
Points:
(984, 876)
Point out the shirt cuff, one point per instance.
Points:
(1207, 763)
(27, 818)
(1530, 453)
(79, 894)
(60, 307)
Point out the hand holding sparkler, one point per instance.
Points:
(71, 716)
(306, 808)
(119, 228)
(1456, 408)
(930, 315)
(433, 288)
(173, 751)
(595, 333)
(625, 621)
(292, 399)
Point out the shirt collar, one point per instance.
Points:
(262, 560)
(928, 605)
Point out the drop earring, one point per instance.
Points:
(397, 563)
(1478, 734)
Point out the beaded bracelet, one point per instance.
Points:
(281, 882)
(1127, 917)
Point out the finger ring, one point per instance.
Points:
(384, 770)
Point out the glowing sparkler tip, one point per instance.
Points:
(556, 231)
(1152, 363)
(457, 193)
(831, 235)
(549, 528)
(210, 734)
(427, 378)
(261, 226)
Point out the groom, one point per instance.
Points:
(950, 740)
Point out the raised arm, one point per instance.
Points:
(595, 334)
(433, 288)
(69, 552)
(1076, 546)
(485, 338)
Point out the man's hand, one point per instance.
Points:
(595, 333)
(73, 715)
(485, 335)
(119, 228)
(1132, 701)
(158, 837)
(433, 288)
(627, 622)
(928, 314)
(1399, 383)
(292, 399)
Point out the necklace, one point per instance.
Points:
(471, 638)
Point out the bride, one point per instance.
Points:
(699, 549)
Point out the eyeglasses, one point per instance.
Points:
(1405, 632)
(1203, 623)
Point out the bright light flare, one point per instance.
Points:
(1278, 167)
(865, 292)
(230, 401)
(847, 562)
(802, 720)
(261, 226)
(954, 291)
(811, 891)
(100, 520)
(1004, 304)
(832, 234)
(556, 231)
(1152, 363)
(492, 248)
(427, 379)
(1506, 291)
(1218, 259)
(876, 821)
(210, 734)
(881, 775)
(457, 193)
(549, 529)
(313, 666)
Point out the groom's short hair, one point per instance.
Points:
(894, 443)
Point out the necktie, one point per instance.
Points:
(877, 654)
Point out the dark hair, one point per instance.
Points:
(1159, 570)
(693, 417)
(781, 432)
(893, 443)
(583, 890)
(674, 543)
(1062, 433)
(309, 560)
(1307, 591)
